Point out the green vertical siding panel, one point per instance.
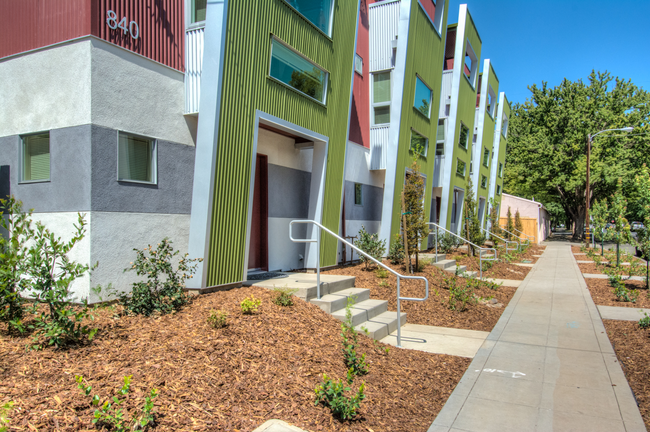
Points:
(247, 88)
(425, 55)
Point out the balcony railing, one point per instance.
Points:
(193, 68)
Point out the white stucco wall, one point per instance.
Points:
(357, 166)
(137, 95)
(527, 208)
(46, 89)
(281, 151)
(115, 235)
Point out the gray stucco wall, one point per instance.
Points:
(288, 192)
(69, 187)
(371, 198)
(172, 194)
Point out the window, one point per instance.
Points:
(460, 168)
(464, 136)
(381, 97)
(437, 18)
(474, 138)
(422, 97)
(441, 133)
(486, 157)
(498, 189)
(36, 157)
(318, 12)
(470, 66)
(296, 71)
(440, 149)
(504, 127)
(136, 159)
(491, 103)
(358, 197)
(419, 143)
(198, 10)
(358, 64)
(484, 182)
(500, 170)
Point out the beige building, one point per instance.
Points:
(534, 217)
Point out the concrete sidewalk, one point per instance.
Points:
(547, 365)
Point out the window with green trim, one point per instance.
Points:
(484, 182)
(296, 71)
(463, 140)
(198, 10)
(419, 143)
(460, 168)
(35, 157)
(486, 157)
(136, 159)
(423, 96)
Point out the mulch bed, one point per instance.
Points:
(501, 269)
(434, 311)
(603, 293)
(632, 344)
(259, 367)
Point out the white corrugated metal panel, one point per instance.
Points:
(378, 147)
(476, 119)
(445, 92)
(193, 68)
(384, 21)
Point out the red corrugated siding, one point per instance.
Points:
(360, 116)
(430, 8)
(161, 24)
(29, 24)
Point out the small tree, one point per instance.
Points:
(370, 244)
(519, 226)
(642, 183)
(600, 217)
(620, 231)
(416, 225)
(494, 222)
(472, 226)
(509, 225)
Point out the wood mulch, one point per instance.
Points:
(259, 367)
(434, 311)
(500, 269)
(632, 344)
(603, 293)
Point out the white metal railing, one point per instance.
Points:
(193, 68)
(512, 234)
(360, 252)
(481, 249)
(502, 239)
(528, 237)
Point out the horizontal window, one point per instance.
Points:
(460, 168)
(136, 159)
(36, 157)
(318, 12)
(419, 143)
(463, 136)
(294, 70)
(486, 157)
(423, 96)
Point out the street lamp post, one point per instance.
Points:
(589, 139)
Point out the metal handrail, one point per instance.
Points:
(360, 252)
(527, 235)
(513, 234)
(480, 254)
(501, 238)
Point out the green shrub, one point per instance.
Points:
(218, 319)
(644, 322)
(370, 244)
(384, 283)
(5, 409)
(460, 294)
(284, 296)
(109, 414)
(624, 294)
(249, 305)
(331, 394)
(381, 273)
(396, 251)
(356, 364)
(163, 291)
(447, 243)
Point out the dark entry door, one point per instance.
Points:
(258, 254)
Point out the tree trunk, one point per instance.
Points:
(578, 223)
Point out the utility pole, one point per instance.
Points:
(587, 193)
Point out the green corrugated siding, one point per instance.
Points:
(246, 88)
(424, 57)
(466, 113)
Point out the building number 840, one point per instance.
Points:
(111, 21)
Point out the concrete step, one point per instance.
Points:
(470, 274)
(382, 325)
(363, 311)
(445, 264)
(305, 284)
(461, 269)
(432, 257)
(331, 303)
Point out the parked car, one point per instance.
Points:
(636, 226)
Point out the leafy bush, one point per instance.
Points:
(644, 322)
(331, 394)
(396, 251)
(356, 364)
(284, 296)
(249, 305)
(5, 409)
(370, 244)
(381, 273)
(13, 255)
(109, 414)
(218, 319)
(459, 294)
(162, 292)
(384, 283)
(447, 243)
(624, 294)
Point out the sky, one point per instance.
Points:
(530, 41)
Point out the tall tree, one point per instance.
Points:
(417, 228)
(547, 143)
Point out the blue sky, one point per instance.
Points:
(530, 41)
